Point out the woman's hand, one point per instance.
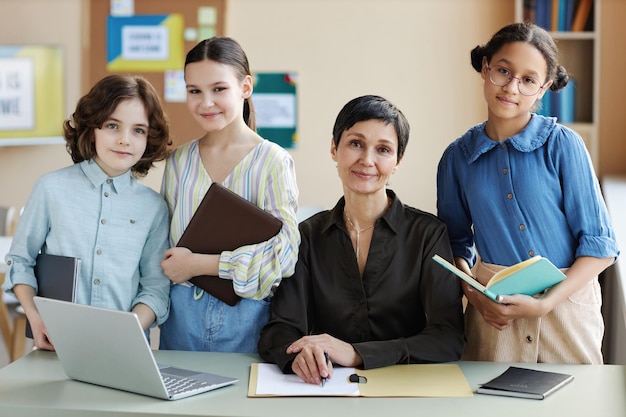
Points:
(511, 307)
(310, 363)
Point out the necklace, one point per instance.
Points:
(358, 232)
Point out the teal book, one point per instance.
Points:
(544, 106)
(567, 101)
(569, 14)
(529, 277)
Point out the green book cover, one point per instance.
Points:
(529, 277)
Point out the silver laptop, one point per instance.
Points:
(109, 348)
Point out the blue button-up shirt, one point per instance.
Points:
(533, 194)
(117, 226)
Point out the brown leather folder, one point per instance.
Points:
(225, 221)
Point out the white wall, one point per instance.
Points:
(35, 22)
(413, 52)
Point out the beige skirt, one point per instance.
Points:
(571, 333)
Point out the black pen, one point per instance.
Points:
(327, 363)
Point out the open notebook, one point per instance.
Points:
(109, 348)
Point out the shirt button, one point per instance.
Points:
(132, 221)
(96, 281)
(106, 194)
(522, 227)
(529, 339)
(502, 146)
(531, 252)
(9, 262)
(103, 221)
(99, 251)
(509, 196)
(109, 181)
(505, 171)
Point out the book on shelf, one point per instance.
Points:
(543, 13)
(529, 277)
(568, 15)
(545, 106)
(557, 15)
(525, 383)
(560, 104)
(555, 104)
(567, 103)
(529, 10)
(581, 16)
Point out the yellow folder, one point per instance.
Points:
(416, 380)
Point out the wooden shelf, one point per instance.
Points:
(579, 53)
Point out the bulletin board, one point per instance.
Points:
(31, 94)
(191, 14)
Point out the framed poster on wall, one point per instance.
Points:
(145, 43)
(31, 94)
(274, 99)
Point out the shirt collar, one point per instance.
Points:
(392, 216)
(97, 176)
(533, 136)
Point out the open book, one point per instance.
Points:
(529, 277)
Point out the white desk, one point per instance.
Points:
(35, 385)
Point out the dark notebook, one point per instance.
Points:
(56, 278)
(225, 221)
(525, 383)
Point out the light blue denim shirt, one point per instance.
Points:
(118, 227)
(534, 194)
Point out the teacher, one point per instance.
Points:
(365, 292)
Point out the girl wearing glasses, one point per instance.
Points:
(520, 185)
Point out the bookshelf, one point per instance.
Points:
(574, 25)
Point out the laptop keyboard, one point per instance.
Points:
(176, 384)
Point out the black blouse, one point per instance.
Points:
(405, 308)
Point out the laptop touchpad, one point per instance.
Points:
(178, 371)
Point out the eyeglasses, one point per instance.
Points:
(500, 76)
